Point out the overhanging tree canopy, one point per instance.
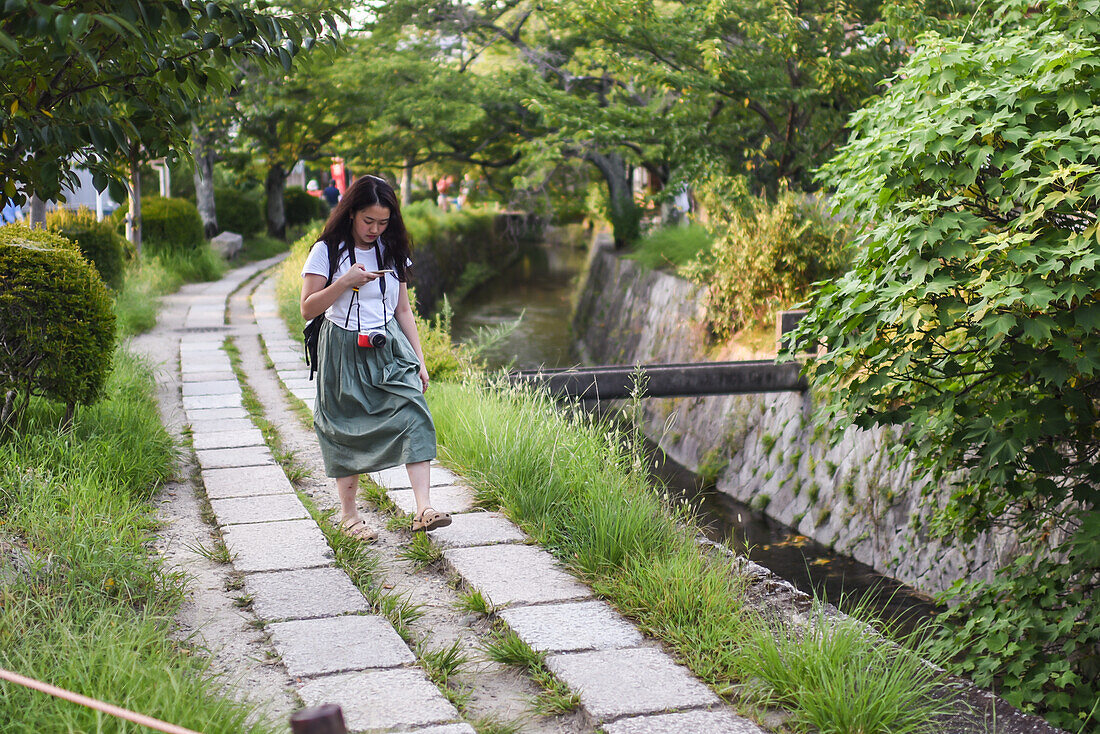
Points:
(85, 82)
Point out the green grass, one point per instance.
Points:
(150, 277)
(577, 487)
(91, 610)
(505, 646)
(421, 550)
(473, 601)
(671, 247)
(836, 677)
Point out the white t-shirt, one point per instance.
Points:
(369, 301)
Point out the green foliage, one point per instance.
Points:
(301, 208)
(765, 259)
(98, 241)
(58, 330)
(671, 247)
(972, 317)
(170, 225)
(838, 678)
(238, 211)
(96, 86)
(92, 609)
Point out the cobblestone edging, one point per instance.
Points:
(626, 683)
(762, 448)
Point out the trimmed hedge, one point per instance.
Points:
(238, 211)
(98, 241)
(57, 325)
(301, 208)
(170, 224)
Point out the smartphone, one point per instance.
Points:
(379, 272)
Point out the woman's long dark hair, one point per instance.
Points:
(369, 191)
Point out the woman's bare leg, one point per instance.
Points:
(420, 479)
(347, 488)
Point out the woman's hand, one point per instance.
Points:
(358, 276)
(423, 378)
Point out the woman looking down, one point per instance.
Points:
(370, 412)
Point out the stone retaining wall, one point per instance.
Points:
(763, 449)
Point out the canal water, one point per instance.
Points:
(538, 291)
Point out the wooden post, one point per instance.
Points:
(324, 719)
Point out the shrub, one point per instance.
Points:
(169, 224)
(301, 208)
(57, 328)
(766, 257)
(98, 241)
(672, 246)
(238, 211)
(972, 318)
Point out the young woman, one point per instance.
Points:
(370, 412)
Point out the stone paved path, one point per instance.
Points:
(314, 613)
(625, 682)
(330, 646)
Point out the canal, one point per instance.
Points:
(539, 290)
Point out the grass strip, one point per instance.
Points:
(85, 603)
(574, 485)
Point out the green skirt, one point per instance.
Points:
(370, 412)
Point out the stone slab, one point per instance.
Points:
(211, 387)
(226, 439)
(303, 594)
(477, 528)
(300, 383)
(215, 414)
(229, 458)
(205, 362)
(381, 699)
(208, 376)
(276, 355)
(688, 722)
(444, 729)
(198, 402)
(614, 683)
(222, 425)
(586, 625)
(197, 344)
(397, 478)
(248, 481)
(444, 499)
(277, 546)
(338, 644)
(515, 574)
(265, 508)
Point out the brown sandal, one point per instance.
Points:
(430, 519)
(358, 530)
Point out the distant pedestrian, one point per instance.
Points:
(370, 413)
(332, 194)
(11, 213)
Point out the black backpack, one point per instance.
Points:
(312, 333)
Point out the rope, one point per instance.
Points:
(92, 703)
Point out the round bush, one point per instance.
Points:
(238, 211)
(57, 329)
(97, 240)
(301, 208)
(169, 224)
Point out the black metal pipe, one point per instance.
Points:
(610, 382)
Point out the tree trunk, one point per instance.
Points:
(407, 182)
(37, 213)
(133, 188)
(624, 213)
(274, 186)
(204, 179)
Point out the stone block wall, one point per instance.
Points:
(764, 449)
